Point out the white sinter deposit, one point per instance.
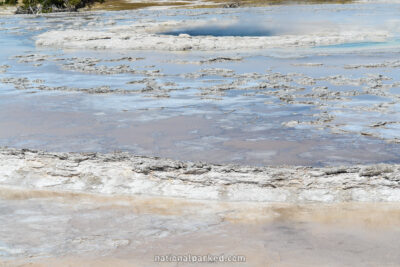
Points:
(146, 36)
(125, 174)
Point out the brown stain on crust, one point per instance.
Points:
(115, 5)
(125, 5)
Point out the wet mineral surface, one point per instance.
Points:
(328, 96)
(252, 131)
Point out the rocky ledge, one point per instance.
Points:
(126, 174)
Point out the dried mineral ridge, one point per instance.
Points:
(126, 174)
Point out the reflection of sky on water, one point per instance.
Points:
(235, 116)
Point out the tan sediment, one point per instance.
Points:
(280, 2)
(117, 5)
(268, 234)
(370, 215)
(126, 5)
(112, 5)
(7, 10)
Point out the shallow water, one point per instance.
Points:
(218, 30)
(322, 105)
(209, 106)
(56, 229)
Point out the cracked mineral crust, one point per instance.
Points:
(127, 174)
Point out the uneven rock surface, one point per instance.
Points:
(126, 174)
(136, 38)
(176, 34)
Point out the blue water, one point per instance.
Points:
(189, 123)
(354, 45)
(220, 31)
